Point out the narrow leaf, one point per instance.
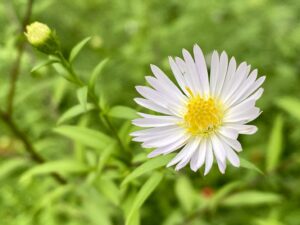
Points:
(110, 190)
(7, 167)
(96, 72)
(74, 111)
(53, 195)
(290, 105)
(143, 194)
(251, 198)
(42, 64)
(274, 149)
(249, 165)
(122, 112)
(82, 97)
(185, 193)
(77, 48)
(222, 193)
(60, 166)
(148, 166)
(85, 136)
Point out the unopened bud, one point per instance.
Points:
(42, 37)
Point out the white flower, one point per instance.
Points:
(204, 117)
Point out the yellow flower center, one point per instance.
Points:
(203, 115)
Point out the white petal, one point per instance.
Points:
(178, 75)
(192, 72)
(236, 80)
(235, 144)
(221, 73)
(257, 94)
(243, 129)
(158, 135)
(221, 166)
(228, 132)
(229, 76)
(156, 121)
(198, 157)
(152, 106)
(161, 76)
(218, 149)
(247, 115)
(208, 158)
(161, 142)
(169, 148)
(214, 70)
(187, 78)
(240, 108)
(154, 131)
(242, 89)
(160, 99)
(252, 88)
(232, 156)
(165, 89)
(202, 69)
(186, 153)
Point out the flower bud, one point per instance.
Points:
(40, 36)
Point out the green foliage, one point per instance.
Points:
(75, 111)
(122, 112)
(290, 105)
(85, 136)
(275, 146)
(77, 48)
(148, 167)
(246, 164)
(251, 198)
(65, 166)
(142, 195)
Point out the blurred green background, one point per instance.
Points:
(134, 34)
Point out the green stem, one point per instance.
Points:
(76, 80)
(27, 144)
(15, 70)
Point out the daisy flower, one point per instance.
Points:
(202, 117)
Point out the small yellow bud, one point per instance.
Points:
(41, 37)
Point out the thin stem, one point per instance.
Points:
(27, 144)
(14, 74)
(92, 95)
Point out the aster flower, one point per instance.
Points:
(202, 117)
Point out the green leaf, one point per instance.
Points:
(77, 48)
(251, 198)
(142, 195)
(60, 166)
(27, 94)
(75, 111)
(96, 72)
(53, 195)
(9, 166)
(82, 97)
(290, 105)
(110, 190)
(85, 136)
(63, 72)
(274, 149)
(42, 64)
(222, 193)
(105, 157)
(148, 166)
(249, 165)
(122, 112)
(185, 193)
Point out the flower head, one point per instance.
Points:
(203, 117)
(41, 36)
